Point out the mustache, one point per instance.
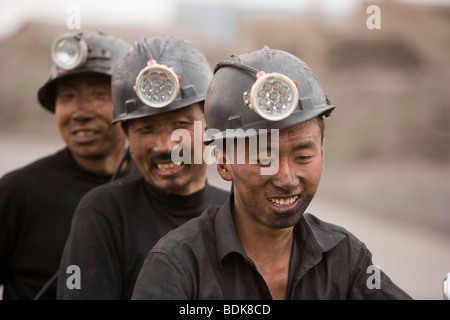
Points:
(160, 158)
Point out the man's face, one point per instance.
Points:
(84, 112)
(151, 145)
(279, 200)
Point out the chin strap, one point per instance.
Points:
(46, 286)
(126, 157)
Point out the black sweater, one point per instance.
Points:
(114, 228)
(37, 203)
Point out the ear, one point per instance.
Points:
(323, 157)
(224, 171)
(223, 168)
(125, 126)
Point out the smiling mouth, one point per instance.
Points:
(283, 202)
(85, 133)
(167, 166)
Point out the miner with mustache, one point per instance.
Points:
(158, 87)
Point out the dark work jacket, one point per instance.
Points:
(114, 228)
(205, 259)
(37, 203)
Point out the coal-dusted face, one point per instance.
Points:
(83, 111)
(151, 146)
(280, 199)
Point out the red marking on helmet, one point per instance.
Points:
(260, 74)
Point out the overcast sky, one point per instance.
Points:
(155, 14)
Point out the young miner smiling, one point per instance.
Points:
(261, 244)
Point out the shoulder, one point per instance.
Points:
(329, 235)
(216, 195)
(28, 173)
(112, 192)
(130, 170)
(318, 223)
(108, 206)
(191, 236)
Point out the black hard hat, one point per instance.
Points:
(264, 89)
(76, 54)
(158, 75)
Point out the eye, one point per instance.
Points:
(145, 129)
(99, 94)
(262, 162)
(303, 158)
(65, 96)
(182, 124)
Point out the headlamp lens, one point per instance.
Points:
(69, 53)
(157, 86)
(273, 96)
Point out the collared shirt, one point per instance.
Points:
(205, 259)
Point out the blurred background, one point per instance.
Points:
(387, 144)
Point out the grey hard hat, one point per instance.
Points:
(101, 52)
(228, 103)
(132, 86)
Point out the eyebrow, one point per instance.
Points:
(302, 146)
(90, 83)
(306, 145)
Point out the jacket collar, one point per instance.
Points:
(311, 236)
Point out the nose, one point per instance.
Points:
(83, 111)
(163, 143)
(285, 178)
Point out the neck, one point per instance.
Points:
(263, 243)
(196, 183)
(103, 165)
(270, 250)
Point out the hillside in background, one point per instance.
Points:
(390, 86)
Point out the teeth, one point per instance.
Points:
(283, 201)
(84, 133)
(168, 166)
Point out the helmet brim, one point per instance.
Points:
(47, 93)
(251, 129)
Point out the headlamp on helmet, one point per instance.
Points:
(156, 85)
(69, 51)
(273, 96)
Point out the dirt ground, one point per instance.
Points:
(399, 211)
